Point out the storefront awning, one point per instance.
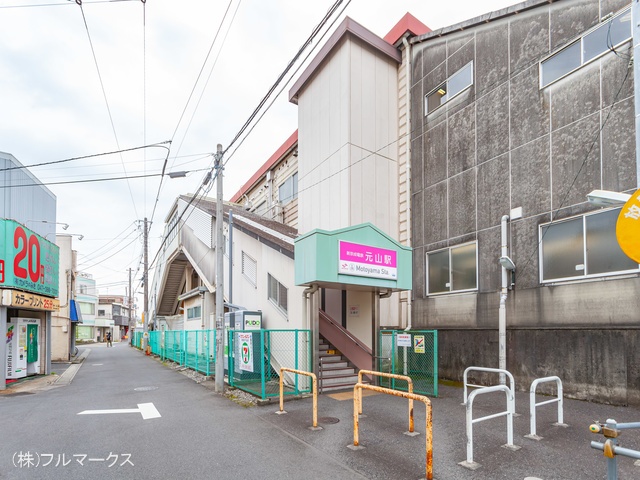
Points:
(75, 315)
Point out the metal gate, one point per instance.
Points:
(412, 353)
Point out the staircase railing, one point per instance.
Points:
(352, 348)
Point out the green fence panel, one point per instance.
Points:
(412, 353)
(256, 357)
(253, 358)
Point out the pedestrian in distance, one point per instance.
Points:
(109, 344)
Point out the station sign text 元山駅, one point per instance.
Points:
(27, 260)
(367, 261)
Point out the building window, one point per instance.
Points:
(288, 191)
(593, 44)
(194, 312)
(456, 84)
(453, 269)
(87, 308)
(277, 293)
(250, 269)
(101, 313)
(581, 247)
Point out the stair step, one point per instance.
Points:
(329, 372)
(331, 359)
(348, 379)
(326, 366)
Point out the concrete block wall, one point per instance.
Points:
(506, 143)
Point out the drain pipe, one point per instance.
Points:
(502, 312)
(305, 307)
(407, 49)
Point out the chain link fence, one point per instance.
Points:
(258, 355)
(255, 360)
(412, 353)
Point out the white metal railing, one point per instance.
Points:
(493, 370)
(469, 463)
(532, 404)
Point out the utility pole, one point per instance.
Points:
(219, 276)
(145, 313)
(130, 303)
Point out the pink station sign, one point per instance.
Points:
(367, 261)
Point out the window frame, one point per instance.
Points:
(290, 182)
(580, 39)
(451, 292)
(253, 281)
(585, 263)
(446, 96)
(196, 310)
(277, 301)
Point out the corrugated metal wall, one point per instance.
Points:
(200, 222)
(25, 203)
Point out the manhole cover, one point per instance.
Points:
(328, 420)
(145, 389)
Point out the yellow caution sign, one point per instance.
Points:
(628, 227)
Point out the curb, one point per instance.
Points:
(67, 377)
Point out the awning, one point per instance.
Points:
(75, 315)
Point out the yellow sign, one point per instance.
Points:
(18, 299)
(628, 227)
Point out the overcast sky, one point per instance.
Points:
(114, 75)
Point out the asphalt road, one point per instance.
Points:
(160, 424)
(199, 434)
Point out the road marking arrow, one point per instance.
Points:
(148, 410)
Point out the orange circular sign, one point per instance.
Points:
(628, 227)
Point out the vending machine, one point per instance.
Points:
(23, 347)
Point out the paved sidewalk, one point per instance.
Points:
(562, 453)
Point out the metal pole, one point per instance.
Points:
(219, 276)
(635, 19)
(502, 311)
(230, 253)
(3, 347)
(130, 332)
(145, 312)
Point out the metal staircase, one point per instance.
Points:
(336, 371)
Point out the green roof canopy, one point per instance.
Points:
(361, 257)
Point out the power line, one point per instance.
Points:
(106, 101)
(65, 4)
(160, 144)
(311, 37)
(208, 177)
(106, 179)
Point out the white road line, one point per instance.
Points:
(147, 410)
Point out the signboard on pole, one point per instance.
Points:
(403, 339)
(27, 261)
(628, 227)
(246, 351)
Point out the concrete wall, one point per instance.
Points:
(347, 139)
(505, 143)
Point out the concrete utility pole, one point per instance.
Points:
(219, 275)
(129, 302)
(145, 313)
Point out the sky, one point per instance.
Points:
(106, 76)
